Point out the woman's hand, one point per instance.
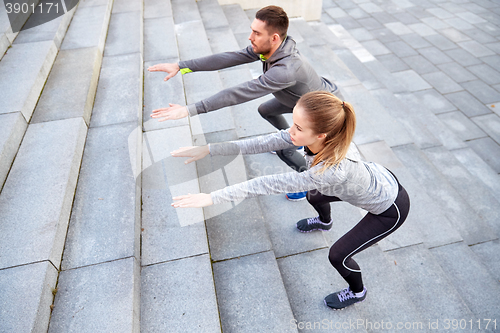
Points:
(175, 111)
(192, 201)
(196, 153)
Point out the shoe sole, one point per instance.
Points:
(324, 301)
(305, 231)
(293, 200)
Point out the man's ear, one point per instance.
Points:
(276, 38)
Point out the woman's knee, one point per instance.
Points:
(335, 257)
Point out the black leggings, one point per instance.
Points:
(371, 229)
(273, 111)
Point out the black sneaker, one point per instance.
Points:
(313, 223)
(343, 298)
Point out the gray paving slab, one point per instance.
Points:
(454, 35)
(387, 298)
(479, 168)
(158, 94)
(157, 8)
(433, 124)
(487, 149)
(360, 34)
(309, 278)
(475, 48)
(411, 81)
(401, 49)
(435, 55)
(385, 35)
(419, 64)
(415, 127)
(488, 254)
(27, 296)
(212, 14)
(480, 36)
(366, 77)
(125, 34)
(493, 61)
(167, 233)
(185, 11)
(375, 47)
(426, 222)
(463, 57)
(71, 86)
(482, 201)
(251, 295)
(43, 177)
(104, 298)
(179, 296)
(192, 40)
(482, 91)
(159, 39)
(12, 129)
(462, 125)
(222, 40)
(490, 123)
(105, 219)
(441, 42)
(237, 19)
(379, 119)
(467, 103)
(486, 73)
(463, 218)
(469, 275)
(124, 6)
(316, 35)
(458, 23)
(440, 13)
(442, 82)
(4, 45)
(329, 65)
(28, 66)
(434, 101)
(415, 41)
(37, 30)
(422, 29)
(89, 28)
(456, 72)
(119, 91)
(435, 23)
(489, 28)
(350, 23)
(424, 279)
(180, 178)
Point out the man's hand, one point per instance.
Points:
(175, 111)
(192, 200)
(171, 68)
(196, 153)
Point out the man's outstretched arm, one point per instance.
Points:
(208, 63)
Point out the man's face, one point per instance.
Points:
(260, 37)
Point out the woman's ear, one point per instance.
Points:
(322, 136)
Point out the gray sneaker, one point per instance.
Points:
(343, 298)
(313, 223)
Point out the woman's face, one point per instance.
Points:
(302, 133)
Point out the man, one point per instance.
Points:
(287, 76)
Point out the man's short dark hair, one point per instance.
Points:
(275, 18)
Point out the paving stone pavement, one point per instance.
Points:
(90, 243)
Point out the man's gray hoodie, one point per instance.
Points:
(287, 75)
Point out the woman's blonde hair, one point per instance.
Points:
(333, 117)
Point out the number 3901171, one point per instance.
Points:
(25, 8)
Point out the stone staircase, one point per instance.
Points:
(89, 241)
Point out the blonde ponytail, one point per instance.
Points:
(336, 119)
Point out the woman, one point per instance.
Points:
(325, 126)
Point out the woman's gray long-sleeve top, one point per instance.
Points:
(367, 185)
